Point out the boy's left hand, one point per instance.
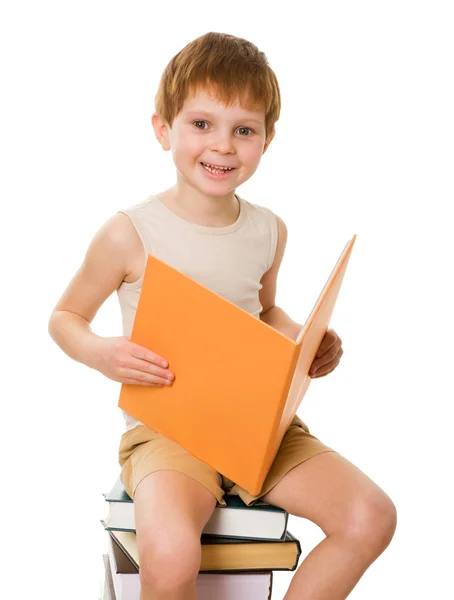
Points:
(328, 355)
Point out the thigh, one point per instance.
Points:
(144, 451)
(169, 504)
(330, 491)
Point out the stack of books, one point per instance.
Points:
(241, 547)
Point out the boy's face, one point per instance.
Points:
(205, 130)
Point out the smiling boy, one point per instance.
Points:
(216, 107)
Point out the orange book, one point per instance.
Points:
(238, 381)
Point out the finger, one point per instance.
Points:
(327, 358)
(149, 367)
(328, 340)
(326, 369)
(326, 343)
(135, 382)
(145, 376)
(148, 355)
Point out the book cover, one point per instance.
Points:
(221, 554)
(121, 562)
(109, 591)
(238, 382)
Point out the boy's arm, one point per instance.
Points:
(330, 350)
(271, 314)
(105, 266)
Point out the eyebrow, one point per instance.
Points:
(207, 114)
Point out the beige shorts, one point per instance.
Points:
(143, 451)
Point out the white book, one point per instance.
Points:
(262, 521)
(222, 586)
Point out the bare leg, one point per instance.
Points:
(358, 518)
(171, 510)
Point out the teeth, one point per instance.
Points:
(215, 169)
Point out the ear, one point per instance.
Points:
(161, 130)
(268, 142)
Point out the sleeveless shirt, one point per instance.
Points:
(229, 260)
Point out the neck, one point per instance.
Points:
(211, 211)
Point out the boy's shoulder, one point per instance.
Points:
(259, 209)
(118, 238)
(120, 230)
(267, 213)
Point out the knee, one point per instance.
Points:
(170, 561)
(372, 523)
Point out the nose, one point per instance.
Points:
(222, 142)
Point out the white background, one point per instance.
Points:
(364, 145)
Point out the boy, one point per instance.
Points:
(216, 107)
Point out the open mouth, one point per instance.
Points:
(218, 172)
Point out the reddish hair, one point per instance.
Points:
(230, 67)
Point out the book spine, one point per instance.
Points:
(271, 585)
(298, 554)
(272, 447)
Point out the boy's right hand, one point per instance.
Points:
(122, 360)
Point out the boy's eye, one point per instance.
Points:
(248, 128)
(203, 128)
(195, 123)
